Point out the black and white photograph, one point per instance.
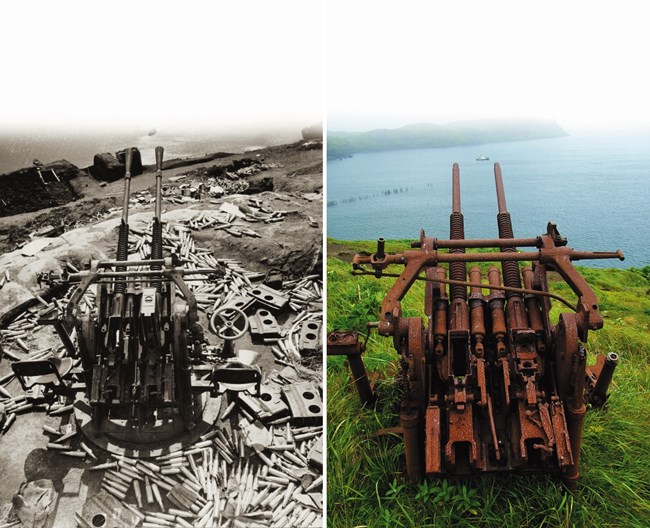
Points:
(161, 265)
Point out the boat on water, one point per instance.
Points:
(482, 158)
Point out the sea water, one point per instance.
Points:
(17, 150)
(595, 187)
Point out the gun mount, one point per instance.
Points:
(491, 384)
(139, 344)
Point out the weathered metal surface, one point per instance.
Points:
(310, 336)
(490, 383)
(263, 323)
(348, 344)
(304, 403)
(269, 297)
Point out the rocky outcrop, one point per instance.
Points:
(107, 167)
(313, 132)
(38, 187)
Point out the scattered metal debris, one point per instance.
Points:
(258, 462)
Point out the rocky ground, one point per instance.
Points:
(277, 228)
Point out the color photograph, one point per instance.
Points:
(487, 277)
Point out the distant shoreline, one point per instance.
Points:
(341, 144)
(18, 150)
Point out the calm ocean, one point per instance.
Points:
(595, 186)
(18, 150)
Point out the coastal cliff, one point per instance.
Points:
(426, 135)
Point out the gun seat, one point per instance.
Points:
(237, 377)
(47, 372)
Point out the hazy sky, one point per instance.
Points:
(156, 64)
(248, 63)
(584, 64)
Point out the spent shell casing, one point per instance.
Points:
(59, 447)
(153, 467)
(107, 465)
(148, 490)
(162, 484)
(181, 513)
(316, 484)
(113, 491)
(156, 494)
(137, 492)
(21, 408)
(130, 472)
(134, 510)
(287, 494)
(205, 509)
(182, 522)
(159, 516)
(275, 502)
(10, 420)
(76, 454)
(120, 477)
(115, 483)
(65, 437)
(62, 410)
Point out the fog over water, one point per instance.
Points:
(595, 186)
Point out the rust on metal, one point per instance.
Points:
(491, 384)
(348, 344)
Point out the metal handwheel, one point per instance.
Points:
(229, 323)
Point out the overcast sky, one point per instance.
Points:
(248, 63)
(156, 64)
(584, 64)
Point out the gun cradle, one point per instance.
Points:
(490, 383)
(136, 343)
(135, 347)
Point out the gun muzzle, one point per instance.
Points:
(501, 195)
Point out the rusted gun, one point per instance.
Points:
(491, 383)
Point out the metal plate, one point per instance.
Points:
(269, 297)
(263, 323)
(310, 336)
(304, 403)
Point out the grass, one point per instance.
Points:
(366, 485)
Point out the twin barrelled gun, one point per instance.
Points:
(139, 343)
(491, 384)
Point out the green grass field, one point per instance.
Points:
(366, 485)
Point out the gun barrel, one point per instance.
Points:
(511, 277)
(123, 234)
(156, 234)
(501, 195)
(455, 189)
(159, 161)
(457, 270)
(127, 184)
